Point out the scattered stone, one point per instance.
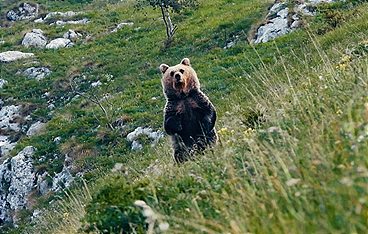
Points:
(155, 136)
(67, 14)
(232, 42)
(36, 128)
(37, 73)
(136, 146)
(122, 25)
(51, 106)
(62, 179)
(96, 84)
(43, 186)
(10, 56)
(2, 83)
(57, 140)
(8, 117)
(25, 11)
(72, 35)
(59, 43)
(35, 38)
(61, 22)
(16, 182)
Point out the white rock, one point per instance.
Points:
(34, 39)
(17, 178)
(155, 136)
(40, 20)
(67, 14)
(97, 83)
(279, 23)
(36, 128)
(2, 83)
(136, 146)
(72, 35)
(61, 22)
(8, 116)
(37, 73)
(57, 140)
(59, 43)
(24, 11)
(6, 146)
(42, 184)
(121, 25)
(10, 56)
(62, 179)
(277, 27)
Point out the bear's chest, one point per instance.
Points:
(188, 108)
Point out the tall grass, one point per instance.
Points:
(304, 168)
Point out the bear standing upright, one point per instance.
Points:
(189, 116)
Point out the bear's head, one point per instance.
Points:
(179, 80)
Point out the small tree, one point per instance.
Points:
(167, 6)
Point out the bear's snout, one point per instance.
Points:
(178, 77)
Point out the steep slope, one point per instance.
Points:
(293, 137)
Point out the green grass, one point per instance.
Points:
(292, 122)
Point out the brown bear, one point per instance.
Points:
(189, 116)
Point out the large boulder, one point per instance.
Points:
(59, 43)
(10, 56)
(35, 38)
(25, 11)
(17, 178)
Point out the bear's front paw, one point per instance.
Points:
(173, 125)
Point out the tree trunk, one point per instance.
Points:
(170, 27)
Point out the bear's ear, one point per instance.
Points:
(185, 61)
(163, 68)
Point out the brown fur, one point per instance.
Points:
(189, 115)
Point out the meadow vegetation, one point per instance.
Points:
(293, 122)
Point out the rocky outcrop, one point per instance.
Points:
(35, 38)
(59, 43)
(10, 56)
(25, 11)
(17, 178)
(37, 73)
(281, 20)
(133, 137)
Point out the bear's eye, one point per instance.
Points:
(172, 73)
(181, 71)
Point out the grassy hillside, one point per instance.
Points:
(293, 122)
